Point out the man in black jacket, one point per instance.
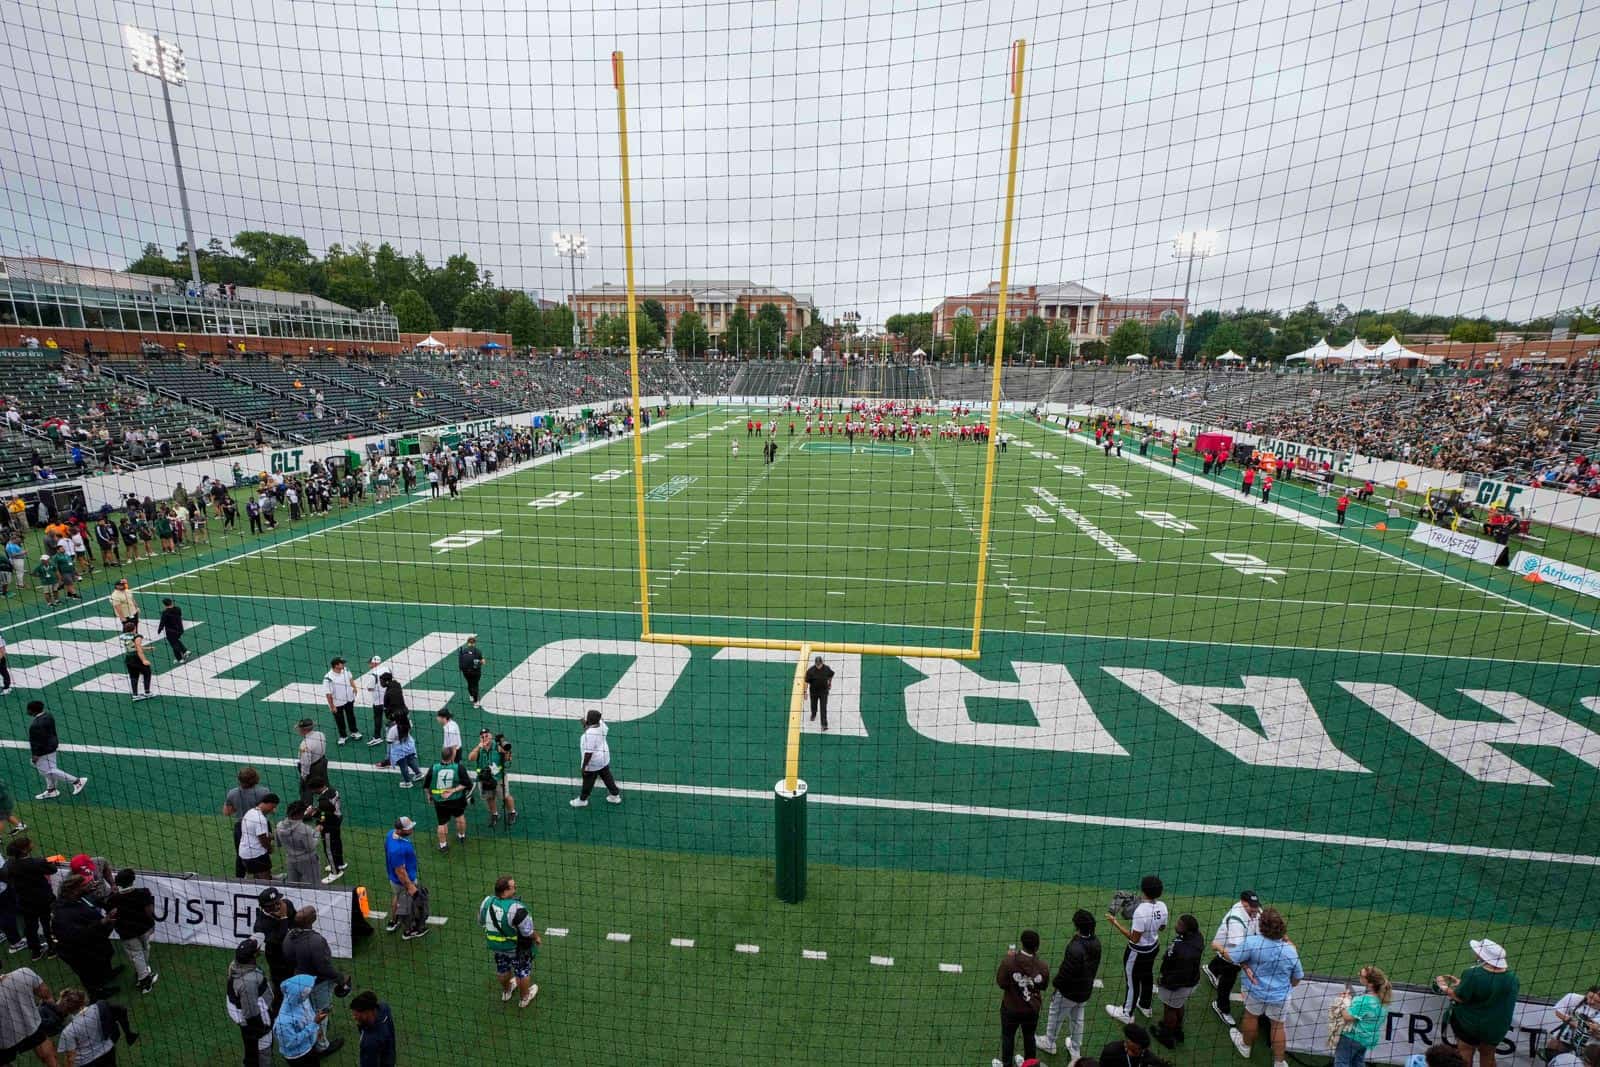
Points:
(1180, 973)
(171, 626)
(1132, 1051)
(274, 920)
(1073, 986)
(819, 679)
(28, 876)
(308, 953)
(83, 937)
(470, 660)
(42, 746)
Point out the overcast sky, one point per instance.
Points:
(1441, 155)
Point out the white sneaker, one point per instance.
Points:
(996, 1063)
(1072, 1051)
(1210, 976)
(578, 802)
(405, 785)
(1046, 1045)
(355, 735)
(533, 991)
(1016, 1059)
(372, 742)
(342, 740)
(507, 993)
(1144, 1011)
(1118, 1014)
(48, 794)
(613, 798)
(1238, 1043)
(77, 787)
(333, 877)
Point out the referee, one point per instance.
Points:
(819, 679)
(339, 690)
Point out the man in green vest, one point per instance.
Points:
(449, 784)
(513, 939)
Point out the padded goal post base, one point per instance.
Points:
(790, 826)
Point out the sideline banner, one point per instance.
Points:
(219, 913)
(1566, 575)
(1412, 1026)
(1457, 543)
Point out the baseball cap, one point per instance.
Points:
(1489, 952)
(306, 724)
(268, 896)
(1249, 897)
(82, 864)
(374, 661)
(405, 822)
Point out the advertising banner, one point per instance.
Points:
(1566, 575)
(219, 912)
(1458, 544)
(1412, 1026)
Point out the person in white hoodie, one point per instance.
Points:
(596, 761)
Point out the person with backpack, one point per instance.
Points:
(471, 661)
(1180, 973)
(249, 999)
(1073, 986)
(1271, 966)
(409, 905)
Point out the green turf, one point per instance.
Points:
(939, 825)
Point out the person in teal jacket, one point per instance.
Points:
(297, 1025)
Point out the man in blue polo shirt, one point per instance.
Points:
(400, 860)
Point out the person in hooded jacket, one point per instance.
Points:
(299, 1023)
(1180, 973)
(1073, 986)
(83, 936)
(250, 1003)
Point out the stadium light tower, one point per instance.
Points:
(163, 61)
(573, 247)
(1190, 245)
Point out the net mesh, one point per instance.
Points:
(1287, 584)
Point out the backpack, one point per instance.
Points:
(420, 909)
(1123, 903)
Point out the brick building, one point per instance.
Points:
(1090, 315)
(713, 299)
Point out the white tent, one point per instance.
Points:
(1230, 356)
(429, 342)
(1315, 353)
(1392, 350)
(1137, 358)
(918, 354)
(816, 354)
(1354, 352)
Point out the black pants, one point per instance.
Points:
(344, 719)
(1339, 517)
(473, 678)
(175, 642)
(1139, 968)
(92, 965)
(138, 670)
(1010, 1023)
(604, 774)
(36, 925)
(1227, 973)
(377, 720)
(819, 701)
(5, 675)
(252, 1032)
(238, 864)
(1266, 495)
(255, 524)
(334, 834)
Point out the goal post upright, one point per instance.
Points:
(620, 82)
(1018, 51)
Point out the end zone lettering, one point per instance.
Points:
(1342, 462)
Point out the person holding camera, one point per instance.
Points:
(513, 939)
(490, 758)
(307, 951)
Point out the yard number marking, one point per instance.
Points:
(1168, 521)
(464, 539)
(1249, 565)
(557, 498)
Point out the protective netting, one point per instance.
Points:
(1290, 527)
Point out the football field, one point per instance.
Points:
(1391, 746)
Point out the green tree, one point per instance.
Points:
(153, 263)
(986, 341)
(1163, 338)
(521, 319)
(1128, 339)
(1200, 328)
(740, 333)
(449, 285)
(690, 335)
(477, 310)
(1475, 330)
(414, 313)
(555, 328)
(656, 312)
(347, 277)
(1255, 337)
(1032, 334)
(1058, 343)
(1226, 336)
(282, 262)
(391, 273)
(964, 337)
(770, 327)
(1092, 350)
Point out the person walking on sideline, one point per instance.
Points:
(403, 750)
(123, 605)
(1139, 955)
(1074, 985)
(135, 660)
(452, 733)
(1249, 480)
(513, 939)
(42, 746)
(400, 860)
(1366, 1015)
(1022, 978)
(170, 625)
(1271, 966)
(250, 1004)
(135, 909)
(1482, 1003)
(470, 660)
(819, 679)
(1266, 488)
(339, 690)
(1242, 920)
(1341, 507)
(375, 1022)
(449, 784)
(596, 751)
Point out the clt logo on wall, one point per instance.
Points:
(1489, 491)
(286, 461)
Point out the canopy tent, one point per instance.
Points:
(1137, 358)
(1315, 354)
(1392, 351)
(429, 342)
(1230, 356)
(1354, 352)
(918, 354)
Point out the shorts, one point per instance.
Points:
(1174, 998)
(259, 865)
(1467, 1037)
(516, 964)
(448, 810)
(1275, 1012)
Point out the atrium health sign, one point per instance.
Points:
(1566, 575)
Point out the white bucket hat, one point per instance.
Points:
(1490, 953)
